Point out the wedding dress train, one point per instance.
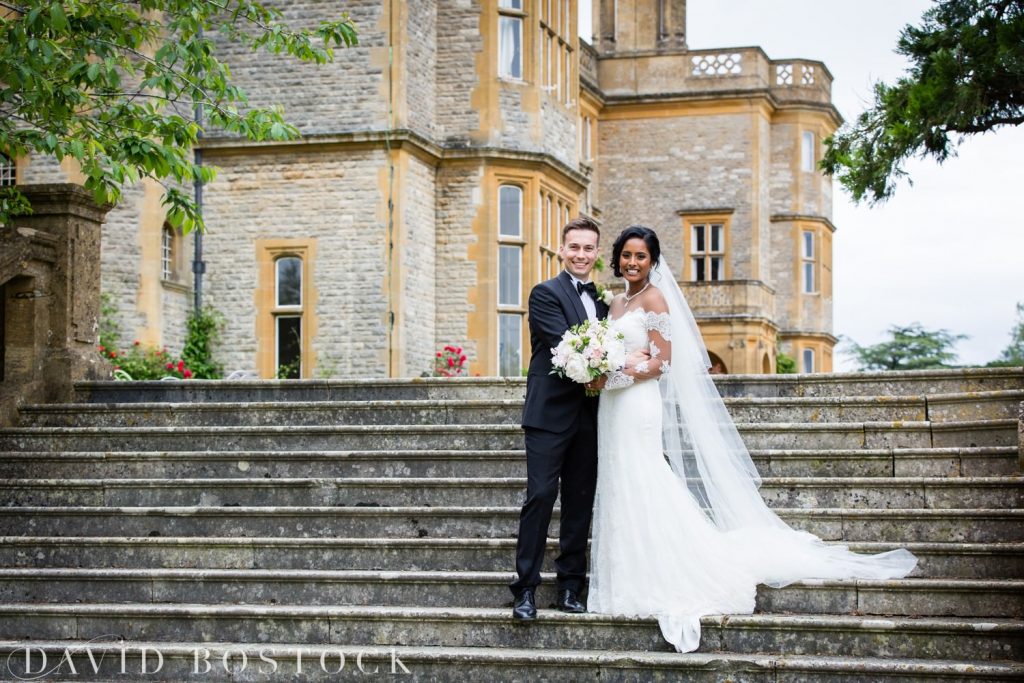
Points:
(680, 530)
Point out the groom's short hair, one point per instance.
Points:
(580, 223)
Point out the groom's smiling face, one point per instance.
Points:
(579, 252)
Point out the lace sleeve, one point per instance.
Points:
(660, 323)
(659, 340)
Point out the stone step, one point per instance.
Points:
(906, 597)
(947, 407)
(867, 462)
(830, 524)
(975, 405)
(370, 389)
(836, 635)
(935, 560)
(264, 661)
(912, 383)
(883, 383)
(486, 437)
(784, 492)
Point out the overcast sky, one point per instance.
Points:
(947, 252)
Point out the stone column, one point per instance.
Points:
(50, 279)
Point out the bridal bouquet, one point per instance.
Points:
(588, 351)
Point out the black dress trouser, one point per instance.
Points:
(569, 457)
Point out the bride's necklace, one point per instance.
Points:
(629, 298)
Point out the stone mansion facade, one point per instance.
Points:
(439, 160)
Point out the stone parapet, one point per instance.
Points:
(741, 71)
(730, 297)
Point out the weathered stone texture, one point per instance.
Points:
(652, 168)
(459, 198)
(457, 53)
(121, 262)
(334, 199)
(418, 262)
(784, 168)
(420, 76)
(560, 130)
(781, 273)
(42, 169)
(347, 95)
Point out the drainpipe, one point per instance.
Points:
(198, 265)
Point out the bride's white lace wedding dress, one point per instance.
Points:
(680, 530)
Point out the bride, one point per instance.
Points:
(680, 530)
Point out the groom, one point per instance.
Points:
(560, 423)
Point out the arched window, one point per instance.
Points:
(288, 317)
(8, 171)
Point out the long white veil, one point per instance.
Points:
(704, 448)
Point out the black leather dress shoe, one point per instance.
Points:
(525, 607)
(569, 601)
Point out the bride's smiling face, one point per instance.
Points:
(635, 260)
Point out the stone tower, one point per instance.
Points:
(717, 150)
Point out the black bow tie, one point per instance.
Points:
(590, 288)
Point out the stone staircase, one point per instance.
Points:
(196, 526)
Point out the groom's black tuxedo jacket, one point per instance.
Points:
(553, 402)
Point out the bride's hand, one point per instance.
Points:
(637, 357)
(597, 384)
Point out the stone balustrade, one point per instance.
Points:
(732, 70)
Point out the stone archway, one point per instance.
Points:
(766, 365)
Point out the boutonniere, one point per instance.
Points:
(606, 295)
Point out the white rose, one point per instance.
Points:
(616, 355)
(607, 296)
(576, 369)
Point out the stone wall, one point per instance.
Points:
(418, 260)
(651, 168)
(458, 117)
(459, 200)
(330, 196)
(349, 94)
(421, 67)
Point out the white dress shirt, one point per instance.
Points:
(589, 305)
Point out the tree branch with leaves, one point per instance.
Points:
(114, 85)
(966, 77)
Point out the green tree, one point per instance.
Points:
(1013, 354)
(115, 86)
(911, 348)
(966, 77)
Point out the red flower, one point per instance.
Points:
(103, 348)
(448, 348)
(113, 354)
(462, 359)
(451, 362)
(181, 366)
(458, 349)
(438, 354)
(170, 366)
(187, 374)
(136, 342)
